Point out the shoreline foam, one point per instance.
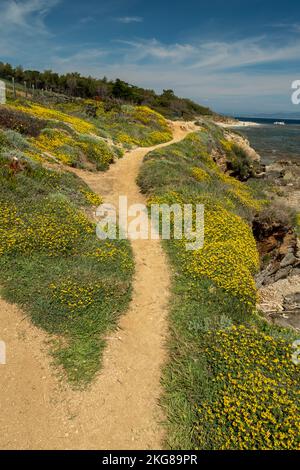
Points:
(238, 124)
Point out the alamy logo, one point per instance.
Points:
(296, 94)
(180, 222)
(2, 353)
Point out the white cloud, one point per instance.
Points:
(292, 27)
(223, 74)
(79, 61)
(24, 36)
(220, 74)
(138, 50)
(25, 16)
(220, 55)
(129, 19)
(214, 55)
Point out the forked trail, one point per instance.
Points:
(120, 409)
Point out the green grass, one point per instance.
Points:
(71, 134)
(57, 137)
(71, 284)
(126, 125)
(220, 349)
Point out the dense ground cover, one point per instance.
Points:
(57, 137)
(81, 133)
(230, 382)
(125, 125)
(51, 262)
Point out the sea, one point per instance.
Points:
(273, 142)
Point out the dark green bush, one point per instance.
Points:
(21, 122)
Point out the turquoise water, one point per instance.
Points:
(274, 142)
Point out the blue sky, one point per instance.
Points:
(239, 57)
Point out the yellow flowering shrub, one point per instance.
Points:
(71, 150)
(68, 281)
(91, 197)
(146, 116)
(227, 145)
(35, 156)
(10, 226)
(126, 139)
(79, 125)
(156, 137)
(74, 295)
(229, 256)
(135, 125)
(298, 223)
(109, 251)
(258, 401)
(241, 192)
(53, 142)
(199, 174)
(228, 384)
(70, 139)
(56, 227)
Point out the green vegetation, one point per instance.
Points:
(56, 137)
(230, 382)
(51, 262)
(126, 125)
(239, 164)
(297, 223)
(68, 134)
(111, 92)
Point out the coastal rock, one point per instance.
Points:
(292, 302)
(277, 245)
(288, 175)
(280, 302)
(289, 259)
(244, 144)
(286, 320)
(274, 174)
(282, 273)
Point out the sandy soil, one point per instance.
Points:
(120, 409)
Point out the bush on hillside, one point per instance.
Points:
(21, 122)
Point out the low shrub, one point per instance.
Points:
(239, 163)
(230, 382)
(256, 405)
(69, 282)
(21, 122)
(33, 109)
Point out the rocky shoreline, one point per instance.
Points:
(279, 246)
(278, 243)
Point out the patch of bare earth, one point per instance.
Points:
(120, 408)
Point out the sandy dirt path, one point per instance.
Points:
(120, 409)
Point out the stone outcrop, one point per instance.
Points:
(280, 302)
(281, 261)
(279, 279)
(244, 144)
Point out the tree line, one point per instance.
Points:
(74, 84)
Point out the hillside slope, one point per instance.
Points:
(51, 262)
(49, 85)
(120, 407)
(230, 382)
